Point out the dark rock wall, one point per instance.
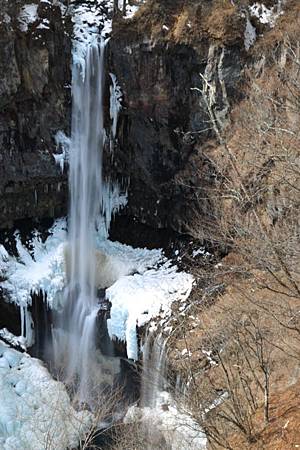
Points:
(164, 129)
(9, 315)
(35, 104)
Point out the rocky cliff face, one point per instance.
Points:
(164, 128)
(35, 103)
(172, 60)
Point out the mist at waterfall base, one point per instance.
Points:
(74, 337)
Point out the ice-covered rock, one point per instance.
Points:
(35, 411)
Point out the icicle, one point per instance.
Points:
(22, 314)
(29, 328)
(115, 107)
(26, 326)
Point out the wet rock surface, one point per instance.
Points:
(9, 315)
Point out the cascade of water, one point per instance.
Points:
(76, 346)
(164, 420)
(154, 370)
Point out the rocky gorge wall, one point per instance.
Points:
(160, 59)
(169, 60)
(35, 50)
(165, 132)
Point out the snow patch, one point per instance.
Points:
(266, 15)
(130, 11)
(45, 24)
(6, 18)
(200, 251)
(166, 420)
(27, 16)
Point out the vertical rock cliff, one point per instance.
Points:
(162, 59)
(35, 103)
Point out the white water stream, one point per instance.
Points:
(76, 346)
(154, 370)
(164, 421)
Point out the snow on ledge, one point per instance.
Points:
(91, 21)
(14, 341)
(138, 298)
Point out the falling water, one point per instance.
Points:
(76, 345)
(154, 370)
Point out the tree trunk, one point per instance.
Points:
(267, 395)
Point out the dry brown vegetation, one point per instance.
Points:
(245, 392)
(242, 330)
(187, 21)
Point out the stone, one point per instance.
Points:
(164, 128)
(35, 66)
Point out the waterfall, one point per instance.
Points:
(154, 370)
(163, 418)
(76, 345)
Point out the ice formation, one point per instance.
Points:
(35, 410)
(63, 144)
(250, 34)
(144, 283)
(115, 104)
(27, 16)
(137, 298)
(40, 269)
